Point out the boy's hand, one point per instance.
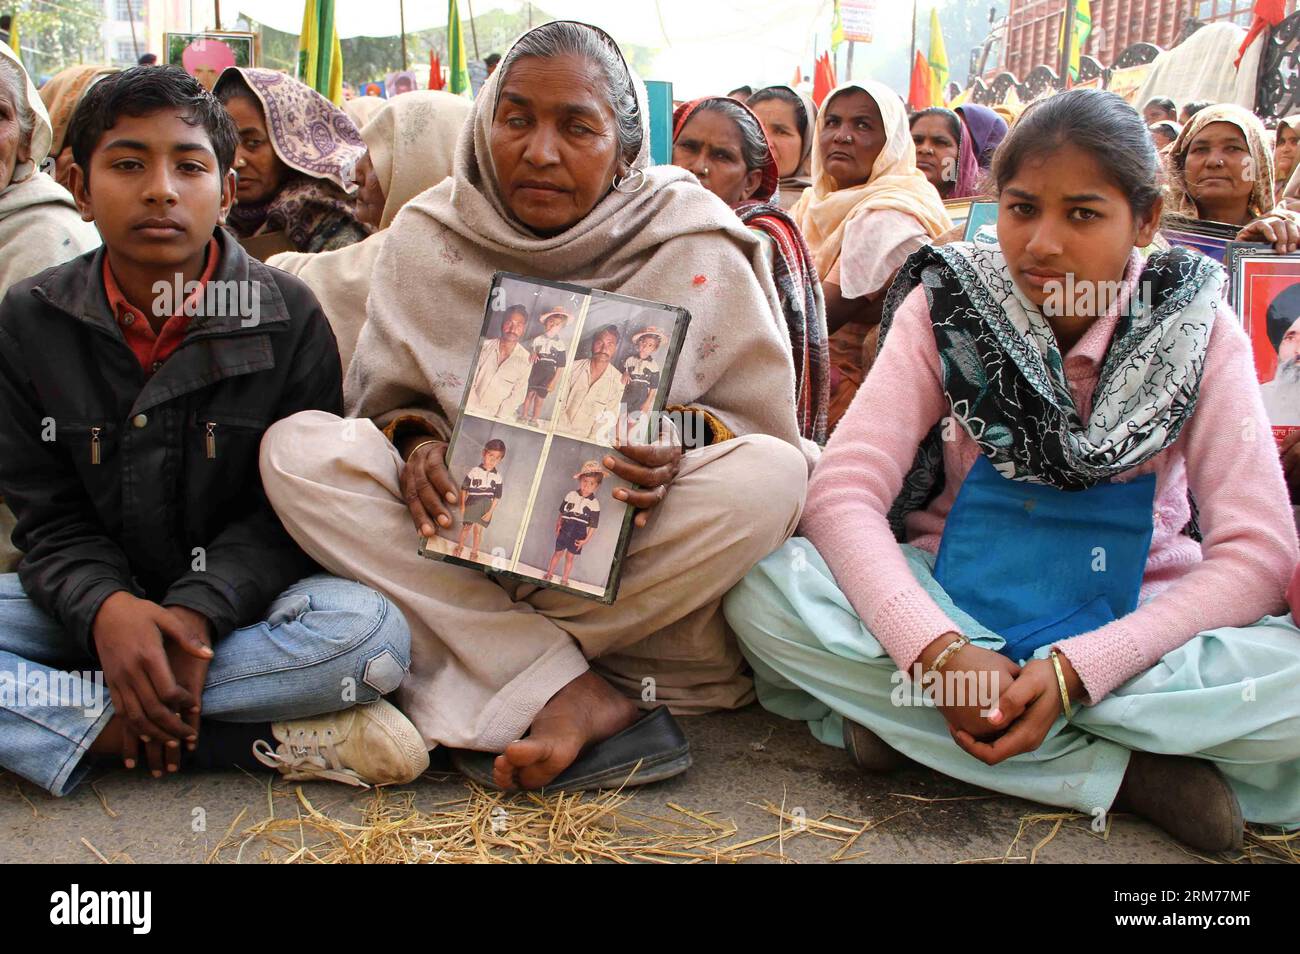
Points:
(1029, 707)
(129, 636)
(190, 671)
(427, 487)
(652, 466)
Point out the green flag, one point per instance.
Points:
(320, 58)
(457, 67)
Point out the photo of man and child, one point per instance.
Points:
(561, 374)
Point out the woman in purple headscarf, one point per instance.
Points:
(296, 162)
(954, 148)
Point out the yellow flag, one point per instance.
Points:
(13, 37)
(837, 28)
(1078, 37)
(320, 57)
(938, 59)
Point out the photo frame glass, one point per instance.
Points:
(560, 375)
(1265, 293)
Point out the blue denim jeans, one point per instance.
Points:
(326, 644)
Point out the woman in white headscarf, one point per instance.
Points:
(553, 179)
(39, 222)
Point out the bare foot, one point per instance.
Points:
(586, 711)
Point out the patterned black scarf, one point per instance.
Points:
(1004, 379)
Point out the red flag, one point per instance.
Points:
(823, 79)
(920, 94)
(1268, 13)
(435, 71)
(798, 78)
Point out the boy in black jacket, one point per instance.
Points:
(135, 384)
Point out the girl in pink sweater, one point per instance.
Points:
(1042, 549)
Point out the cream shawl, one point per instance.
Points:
(39, 223)
(411, 142)
(669, 240)
(825, 209)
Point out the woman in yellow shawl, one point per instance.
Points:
(869, 207)
(1220, 170)
(61, 94)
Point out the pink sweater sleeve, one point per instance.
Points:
(861, 472)
(1249, 547)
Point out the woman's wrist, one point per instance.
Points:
(1073, 684)
(407, 444)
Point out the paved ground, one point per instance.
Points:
(742, 760)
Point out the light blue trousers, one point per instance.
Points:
(1230, 695)
(326, 644)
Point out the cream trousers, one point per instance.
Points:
(487, 655)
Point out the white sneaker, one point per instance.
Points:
(372, 744)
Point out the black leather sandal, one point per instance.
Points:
(651, 749)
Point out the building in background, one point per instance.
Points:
(1029, 35)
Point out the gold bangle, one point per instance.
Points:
(1060, 681)
(418, 446)
(948, 652)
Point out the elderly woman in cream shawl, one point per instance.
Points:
(410, 141)
(1221, 170)
(553, 179)
(869, 207)
(39, 223)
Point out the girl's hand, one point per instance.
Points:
(1279, 231)
(950, 687)
(1029, 707)
(653, 466)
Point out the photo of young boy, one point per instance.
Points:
(578, 519)
(480, 492)
(575, 522)
(641, 372)
(549, 355)
(493, 464)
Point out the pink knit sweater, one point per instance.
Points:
(1225, 453)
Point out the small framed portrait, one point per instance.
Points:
(958, 210)
(574, 529)
(205, 55)
(1265, 293)
(1211, 239)
(560, 376)
(492, 466)
(982, 214)
(402, 81)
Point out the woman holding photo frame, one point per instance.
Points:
(553, 179)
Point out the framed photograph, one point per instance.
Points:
(1209, 238)
(981, 214)
(958, 210)
(1265, 293)
(560, 374)
(205, 55)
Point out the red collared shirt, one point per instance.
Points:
(152, 350)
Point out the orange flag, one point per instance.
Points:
(920, 95)
(823, 79)
(435, 71)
